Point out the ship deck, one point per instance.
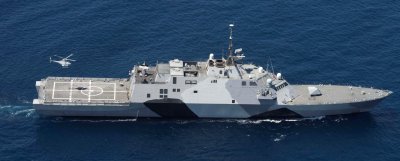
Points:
(335, 94)
(75, 90)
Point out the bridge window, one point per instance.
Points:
(243, 83)
(163, 93)
(190, 81)
(173, 80)
(282, 85)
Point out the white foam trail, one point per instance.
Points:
(240, 121)
(221, 120)
(303, 119)
(316, 118)
(4, 107)
(12, 111)
(258, 121)
(28, 112)
(277, 121)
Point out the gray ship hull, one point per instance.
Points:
(182, 110)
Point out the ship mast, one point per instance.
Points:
(230, 47)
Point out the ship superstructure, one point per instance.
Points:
(214, 88)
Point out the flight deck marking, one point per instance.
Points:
(86, 94)
(115, 89)
(54, 87)
(90, 90)
(70, 91)
(98, 90)
(100, 99)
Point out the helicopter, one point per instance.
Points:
(64, 62)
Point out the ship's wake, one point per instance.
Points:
(12, 111)
(259, 121)
(188, 121)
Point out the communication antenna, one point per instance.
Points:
(230, 39)
(272, 67)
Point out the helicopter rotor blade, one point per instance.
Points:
(69, 56)
(59, 56)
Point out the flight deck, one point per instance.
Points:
(80, 91)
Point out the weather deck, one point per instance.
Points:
(334, 94)
(76, 90)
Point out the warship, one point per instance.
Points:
(214, 88)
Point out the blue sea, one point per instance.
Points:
(309, 41)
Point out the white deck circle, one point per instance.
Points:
(93, 91)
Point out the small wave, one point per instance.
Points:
(182, 122)
(340, 119)
(26, 102)
(279, 138)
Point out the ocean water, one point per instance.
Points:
(309, 41)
